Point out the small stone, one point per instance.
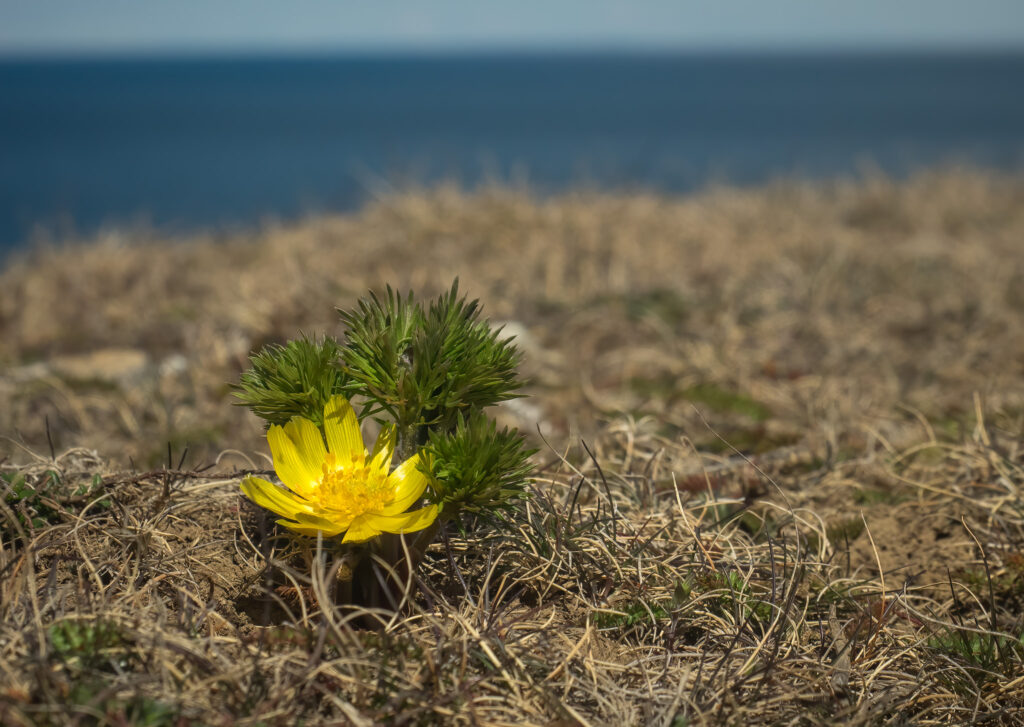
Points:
(110, 365)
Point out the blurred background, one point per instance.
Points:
(197, 115)
(802, 217)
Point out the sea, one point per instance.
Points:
(227, 142)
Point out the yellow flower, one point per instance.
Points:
(340, 487)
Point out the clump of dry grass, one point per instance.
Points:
(616, 597)
(800, 309)
(862, 562)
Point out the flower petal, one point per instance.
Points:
(383, 449)
(409, 483)
(407, 522)
(309, 444)
(360, 531)
(311, 530)
(344, 440)
(324, 519)
(292, 468)
(274, 498)
(311, 524)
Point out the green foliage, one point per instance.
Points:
(41, 500)
(428, 372)
(1007, 585)
(141, 711)
(87, 643)
(723, 400)
(89, 649)
(296, 379)
(664, 303)
(844, 531)
(29, 502)
(478, 468)
(94, 697)
(479, 367)
(631, 614)
(983, 657)
(706, 395)
(838, 533)
(878, 496)
(682, 591)
(761, 525)
(425, 367)
(735, 596)
(377, 352)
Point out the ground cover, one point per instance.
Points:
(780, 437)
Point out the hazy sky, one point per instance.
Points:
(211, 25)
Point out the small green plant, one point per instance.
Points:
(296, 379)
(722, 400)
(631, 614)
(89, 644)
(844, 531)
(41, 500)
(878, 496)
(735, 596)
(28, 501)
(838, 533)
(426, 367)
(425, 374)
(480, 470)
(982, 656)
(1007, 586)
(665, 304)
(91, 697)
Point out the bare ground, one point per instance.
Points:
(779, 482)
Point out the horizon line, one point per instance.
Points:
(242, 51)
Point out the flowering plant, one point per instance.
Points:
(340, 488)
(425, 375)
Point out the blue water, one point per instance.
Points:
(188, 143)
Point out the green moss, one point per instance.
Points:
(725, 401)
(663, 303)
(45, 499)
(708, 395)
(90, 697)
(759, 525)
(88, 643)
(838, 533)
(750, 440)
(834, 594)
(630, 614)
(982, 657)
(734, 596)
(844, 531)
(878, 496)
(1006, 586)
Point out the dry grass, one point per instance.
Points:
(862, 344)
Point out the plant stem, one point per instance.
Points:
(408, 441)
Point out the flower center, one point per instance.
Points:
(350, 487)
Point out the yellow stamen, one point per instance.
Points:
(351, 488)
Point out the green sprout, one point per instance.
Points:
(425, 368)
(479, 470)
(296, 379)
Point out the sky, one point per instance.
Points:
(115, 26)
